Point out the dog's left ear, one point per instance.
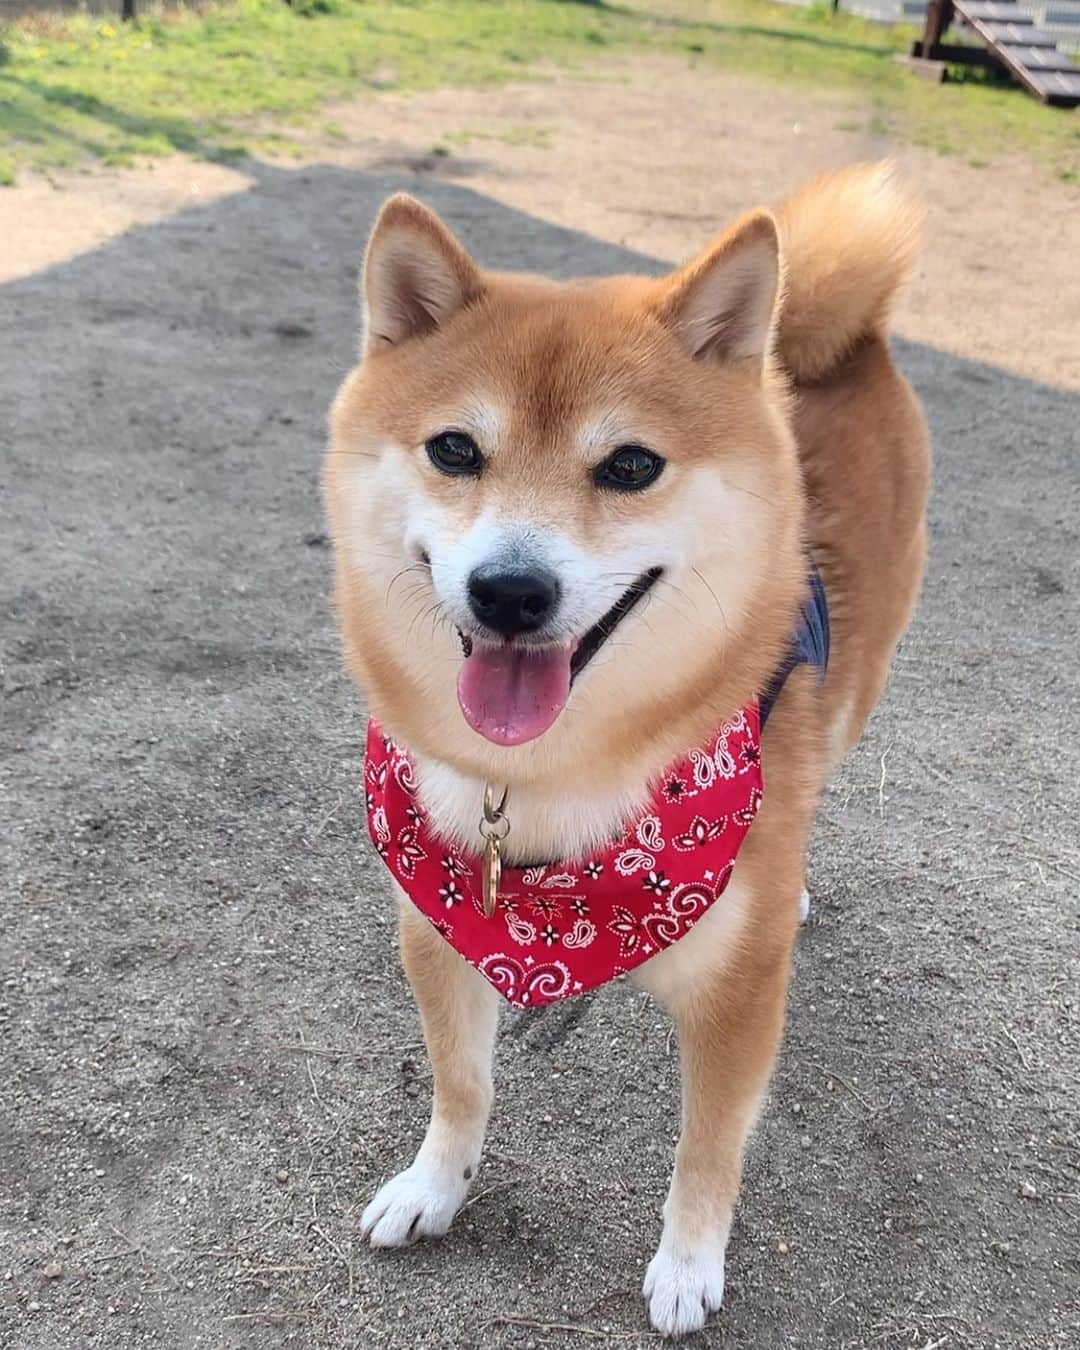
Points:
(723, 303)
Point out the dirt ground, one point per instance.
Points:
(210, 1060)
(657, 173)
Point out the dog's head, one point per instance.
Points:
(566, 514)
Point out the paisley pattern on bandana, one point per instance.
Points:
(562, 928)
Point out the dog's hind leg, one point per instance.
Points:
(459, 1010)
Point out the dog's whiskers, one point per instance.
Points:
(653, 595)
(704, 581)
(750, 493)
(436, 613)
(411, 567)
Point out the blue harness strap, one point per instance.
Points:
(809, 643)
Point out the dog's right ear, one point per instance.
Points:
(416, 274)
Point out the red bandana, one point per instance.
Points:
(562, 928)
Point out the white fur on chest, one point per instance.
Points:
(543, 826)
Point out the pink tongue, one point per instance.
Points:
(513, 694)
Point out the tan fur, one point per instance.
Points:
(825, 448)
(848, 239)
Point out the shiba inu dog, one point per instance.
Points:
(573, 525)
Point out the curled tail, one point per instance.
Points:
(848, 240)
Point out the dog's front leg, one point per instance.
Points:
(459, 1010)
(728, 1027)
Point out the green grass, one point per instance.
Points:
(232, 78)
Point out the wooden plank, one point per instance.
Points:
(1013, 34)
(1042, 58)
(1055, 86)
(934, 71)
(1052, 86)
(992, 12)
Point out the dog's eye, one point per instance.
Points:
(454, 452)
(628, 468)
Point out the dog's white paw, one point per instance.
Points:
(682, 1289)
(419, 1202)
(804, 905)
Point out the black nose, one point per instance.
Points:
(513, 602)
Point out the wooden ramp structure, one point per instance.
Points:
(1013, 43)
